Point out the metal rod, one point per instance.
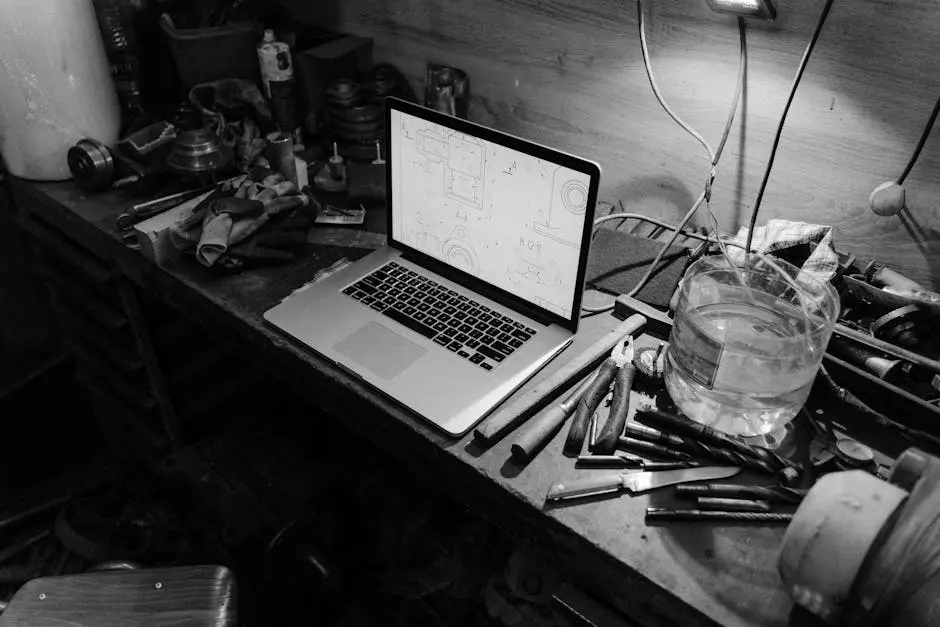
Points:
(719, 504)
(609, 461)
(772, 493)
(648, 448)
(665, 514)
(593, 439)
(144, 210)
(887, 347)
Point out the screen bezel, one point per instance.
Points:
(589, 168)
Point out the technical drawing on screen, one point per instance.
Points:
(508, 218)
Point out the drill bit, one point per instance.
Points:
(678, 424)
(649, 449)
(772, 493)
(696, 448)
(659, 514)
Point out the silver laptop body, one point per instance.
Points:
(480, 283)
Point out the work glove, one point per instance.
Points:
(282, 240)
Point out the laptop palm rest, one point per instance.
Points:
(381, 350)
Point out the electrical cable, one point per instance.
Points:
(739, 87)
(626, 215)
(920, 144)
(783, 118)
(641, 25)
(713, 155)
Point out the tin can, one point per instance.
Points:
(281, 155)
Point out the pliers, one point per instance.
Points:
(619, 369)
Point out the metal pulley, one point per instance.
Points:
(91, 164)
(900, 327)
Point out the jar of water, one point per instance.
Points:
(747, 342)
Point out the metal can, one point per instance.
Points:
(281, 155)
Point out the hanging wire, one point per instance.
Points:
(783, 118)
(713, 155)
(659, 96)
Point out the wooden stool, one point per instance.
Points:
(198, 596)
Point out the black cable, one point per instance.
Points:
(783, 118)
(920, 144)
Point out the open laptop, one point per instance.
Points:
(480, 283)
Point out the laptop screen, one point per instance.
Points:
(511, 219)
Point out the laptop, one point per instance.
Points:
(480, 282)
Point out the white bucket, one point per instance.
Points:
(55, 85)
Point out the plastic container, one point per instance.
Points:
(746, 344)
(204, 55)
(55, 86)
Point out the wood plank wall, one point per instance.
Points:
(569, 73)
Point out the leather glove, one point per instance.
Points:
(281, 241)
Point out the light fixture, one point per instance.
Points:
(745, 8)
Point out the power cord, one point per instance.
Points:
(920, 144)
(713, 155)
(626, 215)
(783, 118)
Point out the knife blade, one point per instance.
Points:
(635, 483)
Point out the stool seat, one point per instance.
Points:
(194, 596)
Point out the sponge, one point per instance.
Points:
(619, 260)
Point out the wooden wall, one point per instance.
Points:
(569, 73)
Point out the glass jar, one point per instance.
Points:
(747, 342)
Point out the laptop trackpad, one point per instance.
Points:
(380, 349)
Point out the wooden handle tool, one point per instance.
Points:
(507, 417)
(543, 428)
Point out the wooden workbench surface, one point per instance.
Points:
(681, 573)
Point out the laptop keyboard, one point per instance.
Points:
(468, 329)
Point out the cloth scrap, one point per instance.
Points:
(779, 235)
(231, 216)
(218, 227)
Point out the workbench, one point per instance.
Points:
(678, 574)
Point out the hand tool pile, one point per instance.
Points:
(541, 430)
(694, 452)
(656, 449)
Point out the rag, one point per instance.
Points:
(779, 235)
(259, 217)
